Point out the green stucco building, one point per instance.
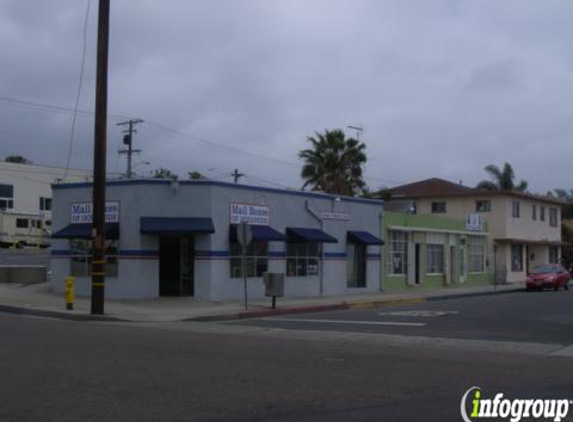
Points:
(423, 251)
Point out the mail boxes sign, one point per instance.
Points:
(82, 213)
(255, 215)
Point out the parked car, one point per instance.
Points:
(549, 276)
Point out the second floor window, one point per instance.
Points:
(438, 207)
(534, 212)
(553, 217)
(483, 205)
(516, 209)
(542, 213)
(45, 203)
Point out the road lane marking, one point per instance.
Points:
(418, 313)
(336, 321)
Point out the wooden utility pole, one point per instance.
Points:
(98, 260)
(128, 140)
(236, 175)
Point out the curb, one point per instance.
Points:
(264, 312)
(19, 310)
(344, 306)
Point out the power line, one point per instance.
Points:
(167, 131)
(217, 145)
(56, 109)
(80, 83)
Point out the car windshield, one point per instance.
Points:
(546, 269)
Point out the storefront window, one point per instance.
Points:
(398, 259)
(476, 254)
(81, 258)
(435, 259)
(516, 258)
(256, 262)
(303, 259)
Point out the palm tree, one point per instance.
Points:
(334, 163)
(502, 179)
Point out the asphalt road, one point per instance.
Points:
(537, 317)
(54, 370)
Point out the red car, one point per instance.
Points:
(549, 276)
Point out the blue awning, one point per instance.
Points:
(264, 233)
(300, 234)
(176, 225)
(84, 231)
(363, 237)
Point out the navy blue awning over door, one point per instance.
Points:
(364, 238)
(301, 234)
(176, 225)
(264, 233)
(84, 231)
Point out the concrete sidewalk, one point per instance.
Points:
(40, 300)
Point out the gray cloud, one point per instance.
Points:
(442, 88)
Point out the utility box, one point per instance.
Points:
(274, 284)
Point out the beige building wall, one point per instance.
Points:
(502, 224)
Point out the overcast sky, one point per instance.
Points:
(441, 88)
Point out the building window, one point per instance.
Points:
(516, 258)
(81, 258)
(6, 204)
(398, 252)
(483, 205)
(438, 207)
(45, 204)
(6, 197)
(553, 217)
(256, 261)
(434, 259)
(22, 223)
(542, 213)
(516, 211)
(534, 212)
(476, 254)
(303, 258)
(553, 254)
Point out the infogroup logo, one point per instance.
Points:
(513, 409)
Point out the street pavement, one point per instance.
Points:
(533, 317)
(263, 370)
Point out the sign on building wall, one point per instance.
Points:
(331, 215)
(474, 223)
(83, 212)
(256, 215)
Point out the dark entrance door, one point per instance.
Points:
(417, 257)
(176, 259)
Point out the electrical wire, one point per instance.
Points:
(165, 131)
(80, 83)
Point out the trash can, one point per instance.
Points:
(274, 285)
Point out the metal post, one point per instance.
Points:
(98, 262)
(244, 265)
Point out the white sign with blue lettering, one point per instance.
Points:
(255, 215)
(82, 213)
(474, 222)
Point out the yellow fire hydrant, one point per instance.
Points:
(70, 293)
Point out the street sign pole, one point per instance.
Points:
(244, 235)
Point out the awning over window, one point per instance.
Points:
(176, 225)
(264, 233)
(364, 238)
(84, 231)
(299, 234)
